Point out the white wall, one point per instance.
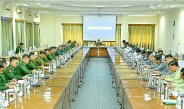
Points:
(79, 19)
(166, 30)
(72, 19)
(141, 19)
(51, 29)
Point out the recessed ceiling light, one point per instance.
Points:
(159, 6)
(172, 6)
(100, 6)
(39, 4)
(125, 5)
(25, 4)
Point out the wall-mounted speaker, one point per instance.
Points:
(6, 7)
(29, 13)
(19, 10)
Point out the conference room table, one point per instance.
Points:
(59, 90)
(130, 87)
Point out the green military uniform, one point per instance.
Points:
(18, 49)
(39, 61)
(174, 77)
(67, 49)
(32, 66)
(50, 57)
(99, 44)
(54, 56)
(72, 45)
(9, 73)
(3, 83)
(21, 69)
(46, 60)
(57, 53)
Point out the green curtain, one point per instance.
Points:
(29, 35)
(142, 36)
(19, 32)
(7, 36)
(37, 35)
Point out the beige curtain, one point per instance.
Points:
(19, 32)
(37, 35)
(142, 35)
(7, 36)
(29, 35)
(73, 32)
(118, 38)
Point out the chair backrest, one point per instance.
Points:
(36, 53)
(163, 57)
(8, 63)
(9, 53)
(30, 49)
(181, 63)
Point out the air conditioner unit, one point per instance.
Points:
(28, 13)
(36, 15)
(6, 7)
(19, 10)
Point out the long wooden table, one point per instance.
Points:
(130, 87)
(58, 91)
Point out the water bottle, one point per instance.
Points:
(178, 101)
(166, 93)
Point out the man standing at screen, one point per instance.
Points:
(98, 43)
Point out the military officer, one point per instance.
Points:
(49, 56)
(3, 83)
(43, 55)
(98, 43)
(21, 69)
(57, 51)
(67, 47)
(9, 72)
(39, 61)
(31, 65)
(73, 44)
(19, 48)
(61, 50)
(52, 52)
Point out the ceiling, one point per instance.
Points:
(81, 7)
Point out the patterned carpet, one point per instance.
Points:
(97, 91)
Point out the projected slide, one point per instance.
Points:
(102, 28)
